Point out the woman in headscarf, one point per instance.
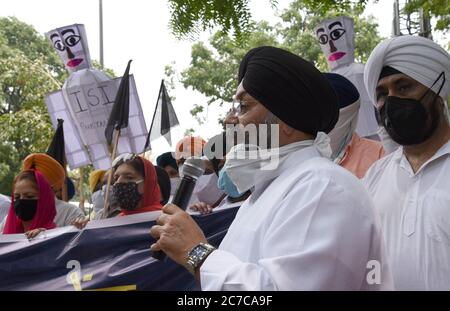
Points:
(32, 207)
(135, 186)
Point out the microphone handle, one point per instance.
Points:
(181, 199)
(184, 192)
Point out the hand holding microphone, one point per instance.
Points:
(173, 224)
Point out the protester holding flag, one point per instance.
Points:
(135, 186)
(66, 213)
(32, 207)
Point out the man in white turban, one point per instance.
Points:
(408, 79)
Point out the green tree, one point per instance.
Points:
(189, 17)
(213, 69)
(439, 9)
(29, 69)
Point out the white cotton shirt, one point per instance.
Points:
(367, 123)
(311, 228)
(5, 203)
(415, 217)
(66, 213)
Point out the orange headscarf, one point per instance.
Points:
(189, 146)
(49, 167)
(152, 194)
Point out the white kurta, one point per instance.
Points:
(367, 123)
(66, 213)
(5, 203)
(415, 217)
(311, 228)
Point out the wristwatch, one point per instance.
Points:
(197, 256)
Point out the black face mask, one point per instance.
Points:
(126, 195)
(25, 209)
(407, 121)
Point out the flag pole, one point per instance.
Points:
(65, 194)
(108, 185)
(147, 141)
(100, 9)
(80, 189)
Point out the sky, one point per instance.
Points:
(138, 30)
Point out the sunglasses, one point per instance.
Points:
(123, 158)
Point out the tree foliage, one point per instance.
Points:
(439, 9)
(214, 66)
(188, 17)
(29, 69)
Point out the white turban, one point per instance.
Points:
(417, 57)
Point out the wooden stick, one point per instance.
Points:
(108, 185)
(64, 195)
(80, 189)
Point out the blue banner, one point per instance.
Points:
(111, 254)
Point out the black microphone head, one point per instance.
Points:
(193, 167)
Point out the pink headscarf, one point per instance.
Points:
(45, 212)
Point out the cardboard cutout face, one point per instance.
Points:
(71, 44)
(336, 38)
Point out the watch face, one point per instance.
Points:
(198, 251)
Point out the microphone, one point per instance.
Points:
(191, 170)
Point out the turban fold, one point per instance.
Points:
(49, 167)
(166, 159)
(189, 146)
(94, 178)
(349, 104)
(417, 57)
(291, 88)
(346, 92)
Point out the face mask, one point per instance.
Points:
(25, 209)
(389, 145)
(225, 184)
(407, 121)
(97, 200)
(247, 165)
(208, 192)
(174, 181)
(126, 195)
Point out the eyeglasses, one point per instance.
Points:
(123, 158)
(334, 35)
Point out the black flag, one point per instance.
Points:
(118, 118)
(164, 118)
(58, 152)
(56, 149)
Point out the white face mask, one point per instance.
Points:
(388, 144)
(206, 189)
(174, 181)
(246, 168)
